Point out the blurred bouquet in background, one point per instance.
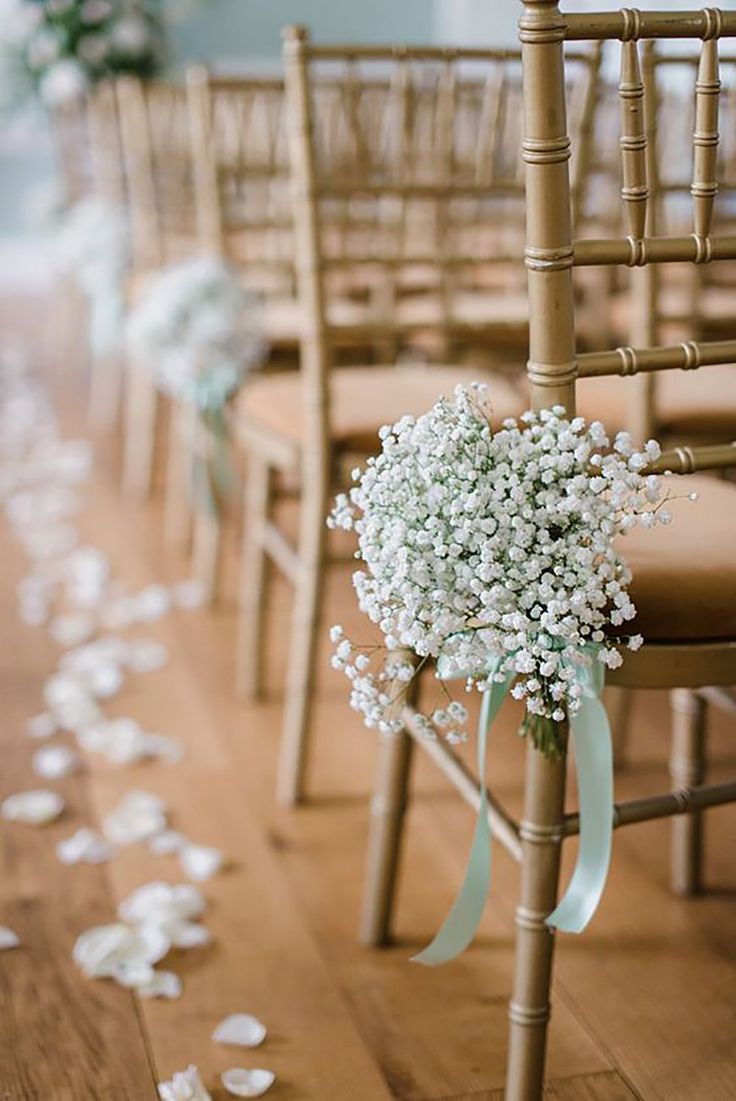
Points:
(57, 49)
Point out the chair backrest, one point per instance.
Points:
(70, 140)
(241, 174)
(552, 252)
(105, 145)
(408, 199)
(154, 129)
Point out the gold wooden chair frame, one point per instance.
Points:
(340, 177)
(679, 662)
(155, 137)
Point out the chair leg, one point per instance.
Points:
(207, 552)
(619, 703)
(687, 768)
(178, 493)
(104, 391)
(303, 652)
(388, 809)
(253, 579)
(140, 433)
(529, 1011)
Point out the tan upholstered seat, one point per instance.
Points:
(363, 399)
(687, 402)
(684, 573)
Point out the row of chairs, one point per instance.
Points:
(375, 199)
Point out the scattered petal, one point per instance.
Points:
(188, 594)
(162, 984)
(8, 939)
(145, 656)
(200, 862)
(247, 1083)
(84, 847)
(71, 630)
(41, 726)
(158, 903)
(35, 808)
(166, 843)
(186, 1085)
(137, 817)
(120, 951)
(152, 602)
(241, 1030)
(53, 762)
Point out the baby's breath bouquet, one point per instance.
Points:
(491, 554)
(58, 49)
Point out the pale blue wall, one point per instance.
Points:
(232, 28)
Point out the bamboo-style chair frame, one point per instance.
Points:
(551, 254)
(155, 138)
(371, 169)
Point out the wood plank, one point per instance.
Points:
(61, 1036)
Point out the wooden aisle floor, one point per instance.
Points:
(644, 1002)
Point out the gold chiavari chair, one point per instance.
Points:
(155, 137)
(409, 219)
(683, 300)
(242, 200)
(684, 583)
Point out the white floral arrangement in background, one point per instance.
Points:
(491, 553)
(198, 330)
(58, 49)
(90, 244)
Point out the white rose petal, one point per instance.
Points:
(188, 594)
(53, 762)
(145, 656)
(159, 903)
(161, 984)
(152, 602)
(240, 1030)
(137, 817)
(200, 862)
(247, 1083)
(8, 939)
(166, 843)
(41, 726)
(109, 951)
(71, 630)
(36, 808)
(186, 1085)
(85, 846)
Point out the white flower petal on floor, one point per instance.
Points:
(200, 862)
(159, 903)
(152, 602)
(8, 939)
(162, 984)
(70, 702)
(52, 762)
(71, 630)
(123, 742)
(188, 594)
(185, 1085)
(167, 843)
(85, 847)
(240, 1030)
(34, 808)
(42, 725)
(145, 656)
(120, 952)
(247, 1083)
(137, 817)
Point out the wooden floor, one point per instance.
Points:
(644, 1002)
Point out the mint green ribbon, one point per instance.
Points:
(594, 762)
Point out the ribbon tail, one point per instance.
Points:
(594, 762)
(460, 925)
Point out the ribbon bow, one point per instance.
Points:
(594, 761)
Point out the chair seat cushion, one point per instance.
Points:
(684, 573)
(364, 399)
(686, 402)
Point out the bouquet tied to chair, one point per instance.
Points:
(492, 557)
(197, 329)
